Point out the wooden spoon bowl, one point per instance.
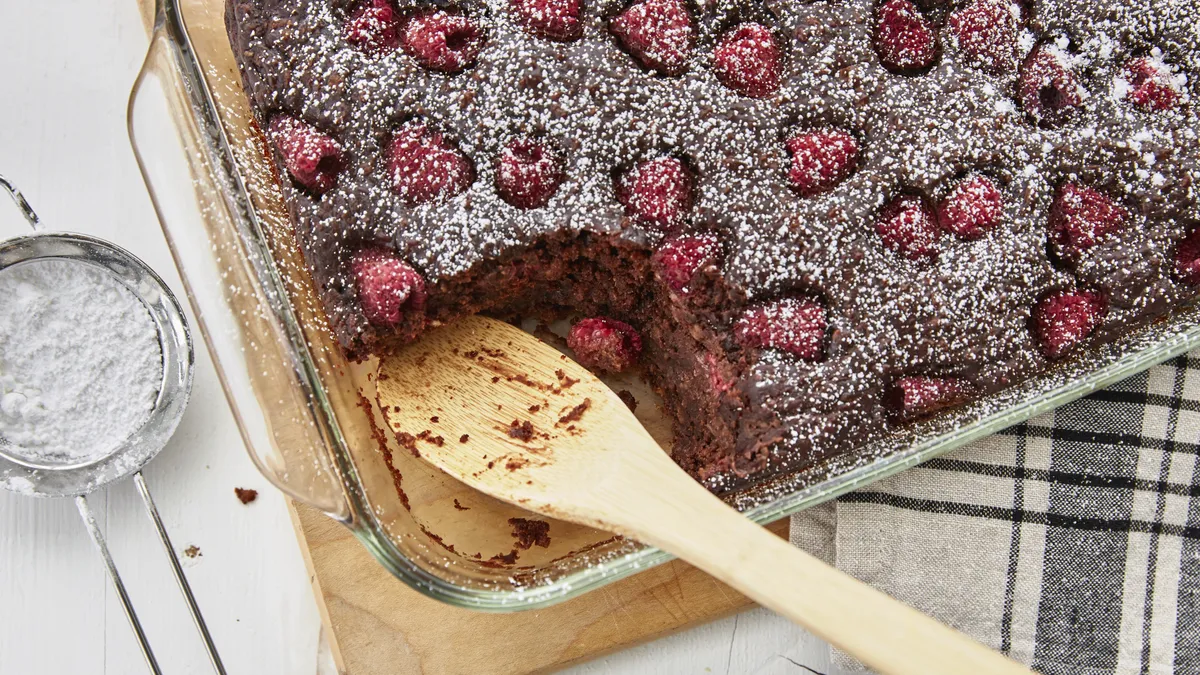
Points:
(518, 420)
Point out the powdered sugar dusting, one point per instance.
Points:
(964, 312)
(80, 363)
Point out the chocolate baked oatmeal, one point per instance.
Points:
(808, 222)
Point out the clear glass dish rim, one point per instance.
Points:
(366, 528)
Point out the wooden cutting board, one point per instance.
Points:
(378, 625)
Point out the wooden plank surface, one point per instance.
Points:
(378, 625)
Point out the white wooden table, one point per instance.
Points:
(67, 67)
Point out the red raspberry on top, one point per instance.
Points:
(1080, 218)
(794, 325)
(905, 40)
(311, 157)
(1047, 89)
(972, 208)
(986, 33)
(605, 345)
(388, 289)
(917, 396)
(821, 159)
(1066, 318)
(1151, 85)
(747, 60)
(657, 192)
(658, 33)
(441, 40)
(372, 27)
(550, 19)
(908, 227)
(1187, 258)
(528, 173)
(679, 258)
(425, 167)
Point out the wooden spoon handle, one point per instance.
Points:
(680, 516)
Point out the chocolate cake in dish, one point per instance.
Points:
(808, 222)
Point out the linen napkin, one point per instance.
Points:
(1070, 542)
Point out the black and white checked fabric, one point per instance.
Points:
(1071, 542)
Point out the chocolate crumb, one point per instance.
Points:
(505, 559)
(491, 464)
(192, 551)
(460, 507)
(244, 495)
(534, 408)
(495, 379)
(576, 413)
(529, 533)
(516, 463)
(438, 540)
(434, 419)
(522, 431)
(408, 442)
(464, 438)
(628, 399)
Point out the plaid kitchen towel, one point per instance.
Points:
(1070, 542)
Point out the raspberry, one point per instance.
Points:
(372, 27)
(528, 173)
(917, 396)
(905, 40)
(972, 208)
(606, 345)
(1080, 218)
(550, 19)
(794, 325)
(679, 258)
(657, 192)
(747, 60)
(821, 159)
(425, 166)
(1151, 85)
(986, 33)
(908, 227)
(716, 381)
(1047, 89)
(441, 40)
(312, 158)
(658, 33)
(387, 287)
(1187, 258)
(1064, 319)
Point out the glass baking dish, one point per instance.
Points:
(307, 415)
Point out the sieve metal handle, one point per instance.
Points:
(98, 539)
(26, 209)
(180, 579)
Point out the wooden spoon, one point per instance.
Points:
(521, 422)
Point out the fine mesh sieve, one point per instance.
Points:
(21, 473)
